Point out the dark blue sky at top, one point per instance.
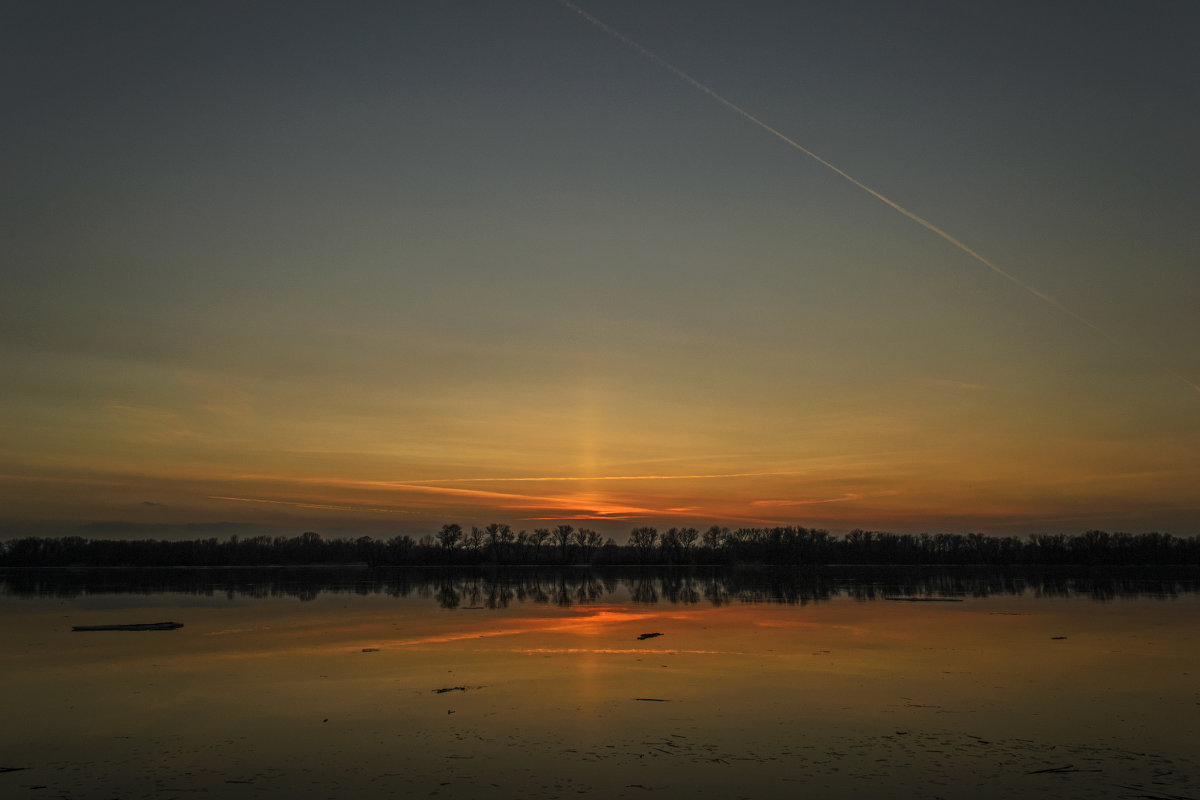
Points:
(98, 80)
(277, 129)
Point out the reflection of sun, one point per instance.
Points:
(588, 623)
(587, 680)
(592, 624)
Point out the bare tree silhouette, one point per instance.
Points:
(474, 540)
(588, 541)
(687, 537)
(540, 537)
(791, 545)
(449, 535)
(642, 540)
(562, 534)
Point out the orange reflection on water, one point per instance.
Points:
(842, 695)
(590, 621)
(531, 651)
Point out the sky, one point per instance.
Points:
(369, 268)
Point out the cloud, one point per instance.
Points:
(297, 504)
(117, 529)
(787, 503)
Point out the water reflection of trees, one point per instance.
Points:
(500, 588)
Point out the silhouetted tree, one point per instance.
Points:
(562, 534)
(643, 539)
(539, 538)
(588, 540)
(449, 535)
(493, 539)
(400, 549)
(779, 545)
(506, 542)
(474, 540)
(687, 537)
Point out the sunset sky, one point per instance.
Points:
(373, 267)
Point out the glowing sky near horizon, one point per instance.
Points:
(377, 267)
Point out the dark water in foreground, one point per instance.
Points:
(764, 683)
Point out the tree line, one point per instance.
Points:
(452, 545)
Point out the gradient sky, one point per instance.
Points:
(373, 267)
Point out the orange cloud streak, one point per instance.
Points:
(574, 506)
(308, 505)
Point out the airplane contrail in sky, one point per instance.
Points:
(676, 71)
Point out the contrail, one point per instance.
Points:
(676, 71)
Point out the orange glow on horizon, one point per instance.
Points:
(887, 493)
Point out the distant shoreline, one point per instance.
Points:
(499, 545)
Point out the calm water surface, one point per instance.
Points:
(761, 685)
